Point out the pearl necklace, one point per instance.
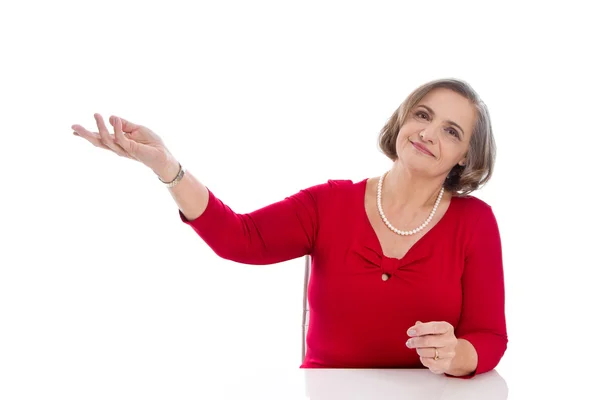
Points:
(398, 231)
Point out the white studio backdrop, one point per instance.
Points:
(104, 292)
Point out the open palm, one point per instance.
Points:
(128, 140)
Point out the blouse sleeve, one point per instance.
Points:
(278, 232)
(483, 321)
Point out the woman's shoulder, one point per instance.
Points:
(473, 209)
(471, 202)
(336, 185)
(336, 190)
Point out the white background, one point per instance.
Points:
(104, 292)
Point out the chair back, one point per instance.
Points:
(305, 311)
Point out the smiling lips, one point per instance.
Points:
(422, 149)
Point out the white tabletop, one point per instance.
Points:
(348, 384)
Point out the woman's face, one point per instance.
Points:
(436, 134)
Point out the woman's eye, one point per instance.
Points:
(422, 114)
(453, 132)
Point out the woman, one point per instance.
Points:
(407, 267)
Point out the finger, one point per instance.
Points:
(119, 137)
(422, 342)
(438, 341)
(106, 138)
(429, 352)
(430, 328)
(91, 137)
(102, 130)
(128, 126)
(120, 140)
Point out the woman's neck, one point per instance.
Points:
(405, 191)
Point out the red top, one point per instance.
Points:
(453, 273)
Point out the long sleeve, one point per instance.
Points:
(483, 321)
(278, 232)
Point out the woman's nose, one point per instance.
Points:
(429, 134)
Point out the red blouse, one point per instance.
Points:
(453, 273)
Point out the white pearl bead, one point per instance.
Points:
(396, 230)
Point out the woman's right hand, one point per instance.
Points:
(132, 141)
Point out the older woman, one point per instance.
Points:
(406, 267)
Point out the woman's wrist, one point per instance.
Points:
(169, 170)
(465, 361)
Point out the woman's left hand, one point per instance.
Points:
(435, 343)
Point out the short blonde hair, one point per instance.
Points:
(481, 154)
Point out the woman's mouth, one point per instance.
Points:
(422, 149)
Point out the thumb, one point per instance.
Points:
(418, 322)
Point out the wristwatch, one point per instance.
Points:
(175, 181)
